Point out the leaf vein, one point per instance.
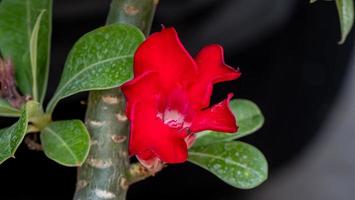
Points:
(226, 160)
(63, 142)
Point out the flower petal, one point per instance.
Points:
(142, 88)
(211, 66)
(163, 52)
(211, 70)
(149, 133)
(217, 118)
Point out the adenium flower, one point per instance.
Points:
(168, 101)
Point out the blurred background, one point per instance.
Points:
(292, 67)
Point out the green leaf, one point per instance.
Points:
(236, 163)
(249, 119)
(34, 54)
(19, 20)
(6, 110)
(346, 17)
(101, 59)
(11, 137)
(66, 142)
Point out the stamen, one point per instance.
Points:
(174, 119)
(174, 111)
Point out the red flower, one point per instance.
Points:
(168, 99)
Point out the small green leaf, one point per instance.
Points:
(33, 55)
(249, 119)
(18, 20)
(236, 163)
(346, 17)
(6, 110)
(11, 137)
(66, 142)
(101, 59)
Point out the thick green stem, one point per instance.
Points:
(137, 12)
(105, 174)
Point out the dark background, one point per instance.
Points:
(291, 67)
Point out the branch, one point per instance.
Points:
(104, 174)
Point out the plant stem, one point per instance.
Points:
(136, 12)
(105, 173)
(137, 172)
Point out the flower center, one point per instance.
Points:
(174, 110)
(174, 119)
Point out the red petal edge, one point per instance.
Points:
(163, 53)
(211, 70)
(217, 118)
(211, 66)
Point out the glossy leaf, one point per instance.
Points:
(34, 55)
(17, 26)
(236, 163)
(66, 142)
(6, 110)
(346, 17)
(249, 119)
(101, 59)
(11, 137)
